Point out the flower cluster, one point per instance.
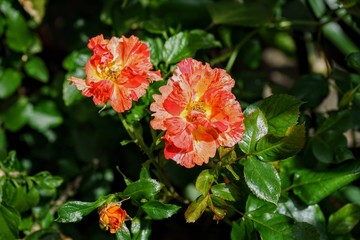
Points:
(118, 70)
(112, 217)
(196, 107)
(198, 112)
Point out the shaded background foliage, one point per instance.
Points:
(279, 46)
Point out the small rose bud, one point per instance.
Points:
(112, 217)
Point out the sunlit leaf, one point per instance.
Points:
(255, 128)
(280, 110)
(144, 230)
(196, 208)
(312, 186)
(345, 219)
(157, 210)
(123, 233)
(186, 44)
(145, 188)
(204, 181)
(223, 191)
(262, 179)
(272, 148)
(74, 211)
(35, 8)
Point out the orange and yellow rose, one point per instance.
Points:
(112, 217)
(118, 71)
(198, 112)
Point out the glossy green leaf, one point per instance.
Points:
(274, 226)
(186, 44)
(262, 179)
(345, 219)
(303, 230)
(157, 210)
(123, 233)
(155, 46)
(196, 208)
(302, 213)
(223, 191)
(44, 116)
(257, 207)
(74, 211)
(18, 35)
(10, 80)
(9, 222)
(280, 110)
(243, 229)
(144, 230)
(240, 14)
(255, 128)
(312, 186)
(142, 189)
(47, 181)
(17, 115)
(204, 181)
(37, 69)
(272, 148)
(353, 61)
(317, 82)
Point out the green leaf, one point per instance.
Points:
(301, 213)
(240, 14)
(274, 226)
(255, 128)
(37, 69)
(156, 46)
(144, 230)
(9, 222)
(70, 93)
(76, 59)
(18, 35)
(44, 116)
(314, 81)
(303, 230)
(218, 206)
(335, 34)
(204, 182)
(223, 191)
(74, 211)
(272, 148)
(123, 233)
(312, 186)
(262, 179)
(345, 219)
(140, 189)
(186, 44)
(280, 110)
(47, 181)
(10, 80)
(157, 210)
(196, 208)
(327, 145)
(243, 229)
(353, 61)
(17, 114)
(257, 207)
(339, 121)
